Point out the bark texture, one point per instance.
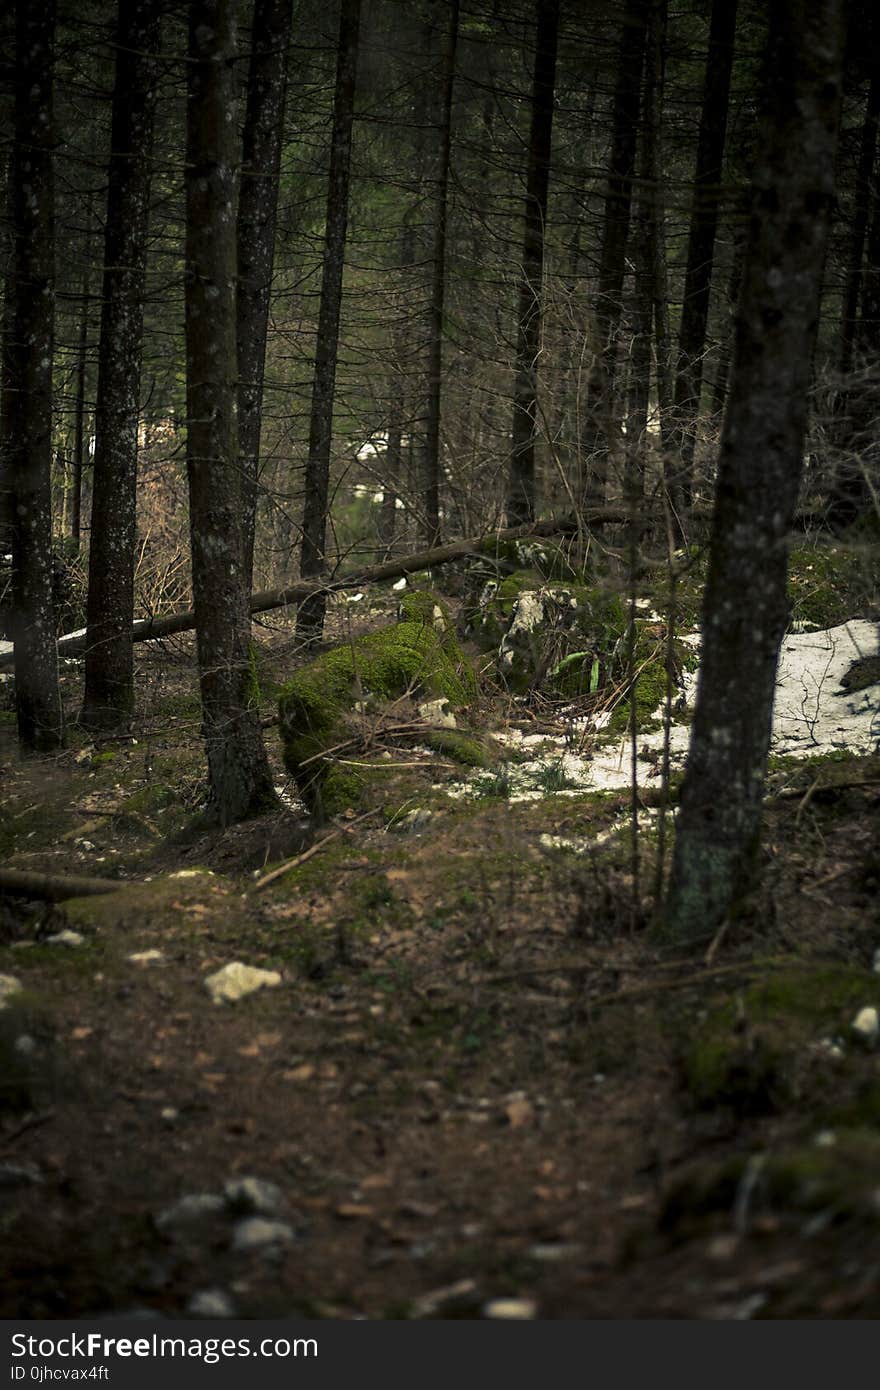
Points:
(108, 699)
(701, 245)
(28, 384)
(521, 501)
(745, 607)
(310, 619)
(238, 770)
(598, 431)
(432, 464)
(257, 211)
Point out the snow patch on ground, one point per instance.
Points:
(812, 715)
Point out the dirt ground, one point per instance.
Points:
(479, 1079)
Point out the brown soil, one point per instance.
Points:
(470, 1079)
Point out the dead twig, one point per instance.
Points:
(308, 853)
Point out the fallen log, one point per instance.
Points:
(54, 888)
(149, 629)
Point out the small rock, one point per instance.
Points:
(430, 1303)
(875, 964)
(25, 1045)
(211, 1303)
(66, 938)
(192, 873)
(144, 957)
(19, 1175)
(169, 1114)
(189, 1210)
(550, 1254)
(255, 1196)
(236, 980)
(400, 585)
(831, 1048)
(438, 712)
(256, 1233)
(825, 1139)
(9, 985)
(413, 822)
(510, 1308)
(866, 1025)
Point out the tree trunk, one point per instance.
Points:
(646, 261)
(864, 179)
(79, 410)
(28, 396)
(257, 209)
(310, 618)
(438, 287)
(701, 247)
(745, 607)
(238, 771)
(108, 699)
(597, 432)
(521, 499)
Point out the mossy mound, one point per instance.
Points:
(561, 637)
(754, 1053)
(426, 608)
(548, 559)
(829, 584)
(411, 657)
(835, 1178)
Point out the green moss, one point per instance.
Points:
(749, 1052)
(463, 748)
(426, 608)
(828, 584)
(409, 657)
(838, 1180)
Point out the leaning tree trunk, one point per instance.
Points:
(521, 497)
(438, 288)
(108, 698)
(701, 249)
(257, 208)
(745, 606)
(238, 770)
(310, 619)
(597, 430)
(28, 387)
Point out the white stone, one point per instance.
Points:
(211, 1303)
(867, 1024)
(400, 585)
(437, 712)
(254, 1195)
(189, 1210)
(66, 938)
(511, 1308)
(9, 986)
(256, 1233)
(144, 957)
(235, 981)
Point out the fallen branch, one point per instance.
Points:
(148, 629)
(54, 888)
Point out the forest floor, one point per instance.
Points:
(480, 1086)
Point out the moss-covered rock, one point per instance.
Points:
(561, 637)
(410, 657)
(754, 1052)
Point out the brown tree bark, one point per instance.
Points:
(745, 608)
(521, 497)
(310, 618)
(28, 386)
(108, 698)
(701, 249)
(431, 463)
(257, 211)
(238, 771)
(598, 431)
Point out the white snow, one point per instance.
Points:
(812, 715)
